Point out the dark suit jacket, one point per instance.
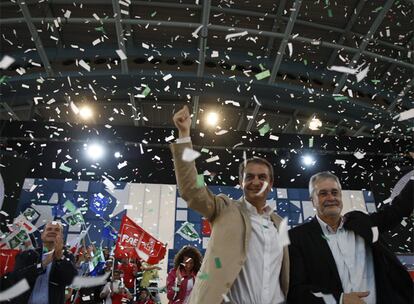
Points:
(61, 275)
(313, 268)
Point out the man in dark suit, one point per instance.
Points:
(341, 256)
(48, 270)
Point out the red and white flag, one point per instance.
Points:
(133, 241)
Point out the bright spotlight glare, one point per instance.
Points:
(117, 154)
(315, 124)
(212, 119)
(308, 160)
(95, 151)
(86, 112)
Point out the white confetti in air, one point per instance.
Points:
(234, 35)
(405, 115)
(212, 159)
(375, 234)
(340, 162)
(234, 103)
(74, 108)
(273, 137)
(359, 155)
(256, 101)
(221, 132)
(83, 64)
(361, 75)
(166, 77)
(169, 138)
(121, 165)
(15, 291)
(67, 14)
(109, 185)
(290, 46)
(328, 298)
(343, 69)
(121, 54)
(190, 155)
(6, 61)
(283, 233)
(80, 281)
(195, 33)
(265, 184)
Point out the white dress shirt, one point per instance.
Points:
(353, 260)
(258, 280)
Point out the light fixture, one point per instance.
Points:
(85, 112)
(95, 151)
(212, 118)
(308, 160)
(117, 154)
(315, 124)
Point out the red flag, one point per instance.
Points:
(205, 227)
(133, 241)
(7, 257)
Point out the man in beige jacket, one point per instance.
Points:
(245, 261)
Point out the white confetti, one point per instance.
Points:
(359, 155)
(273, 137)
(405, 115)
(15, 290)
(375, 234)
(343, 69)
(212, 159)
(234, 35)
(190, 155)
(221, 132)
(83, 64)
(195, 33)
(121, 165)
(166, 77)
(361, 75)
(290, 46)
(80, 281)
(6, 61)
(169, 138)
(121, 54)
(234, 103)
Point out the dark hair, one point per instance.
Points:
(255, 160)
(191, 252)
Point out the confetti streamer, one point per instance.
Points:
(375, 234)
(264, 186)
(234, 35)
(189, 155)
(21, 287)
(343, 69)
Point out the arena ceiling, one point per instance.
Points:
(253, 62)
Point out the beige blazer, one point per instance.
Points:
(230, 235)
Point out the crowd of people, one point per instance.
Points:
(334, 258)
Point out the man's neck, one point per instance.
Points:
(259, 205)
(332, 222)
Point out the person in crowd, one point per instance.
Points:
(48, 269)
(181, 278)
(130, 270)
(244, 239)
(341, 256)
(144, 297)
(115, 292)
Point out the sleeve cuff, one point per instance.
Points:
(183, 140)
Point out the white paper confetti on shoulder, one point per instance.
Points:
(21, 287)
(190, 155)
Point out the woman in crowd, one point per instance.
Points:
(181, 278)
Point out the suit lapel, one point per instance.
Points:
(321, 244)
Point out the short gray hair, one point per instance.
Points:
(322, 176)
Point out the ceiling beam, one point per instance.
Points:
(281, 51)
(120, 34)
(291, 121)
(36, 38)
(201, 55)
(10, 111)
(348, 28)
(276, 25)
(222, 28)
(368, 37)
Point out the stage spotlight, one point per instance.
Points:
(212, 118)
(117, 154)
(95, 151)
(85, 112)
(308, 160)
(315, 124)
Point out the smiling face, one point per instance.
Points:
(51, 231)
(327, 199)
(255, 177)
